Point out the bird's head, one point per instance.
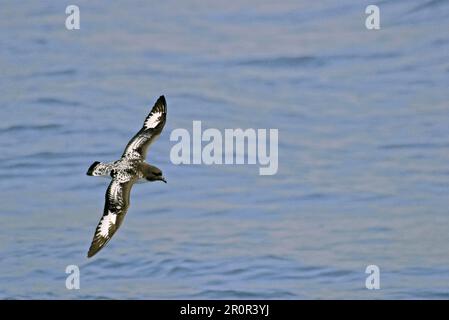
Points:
(156, 175)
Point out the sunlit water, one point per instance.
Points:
(363, 119)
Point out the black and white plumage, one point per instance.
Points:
(130, 168)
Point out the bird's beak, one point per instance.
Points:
(163, 179)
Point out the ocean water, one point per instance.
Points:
(363, 120)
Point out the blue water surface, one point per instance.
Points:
(363, 120)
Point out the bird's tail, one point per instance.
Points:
(99, 169)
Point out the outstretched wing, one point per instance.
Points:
(152, 127)
(115, 208)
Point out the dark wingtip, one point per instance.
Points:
(162, 100)
(92, 167)
(91, 252)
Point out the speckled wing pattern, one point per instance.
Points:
(152, 128)
(115, 208)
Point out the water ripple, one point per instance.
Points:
(30, 127)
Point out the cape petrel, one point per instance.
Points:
(124, 173)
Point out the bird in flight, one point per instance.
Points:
(130, 168)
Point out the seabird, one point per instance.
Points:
(130, 168)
